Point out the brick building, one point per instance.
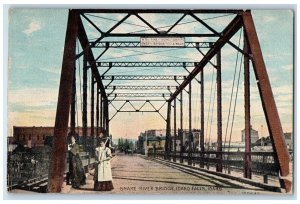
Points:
(35, 136)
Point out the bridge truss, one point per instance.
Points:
(112, 88)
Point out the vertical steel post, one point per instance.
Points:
(91, 139)
(247, 164)
(168, 132)
(73, 104)
(101, 113)
(190, 125)
(84, 101)
(107, 120)
(104, 116)
(202, 121)
(57, 166)
(219, 113)
(181, 128)
(174, 157)
(268, 102)
(97, 111)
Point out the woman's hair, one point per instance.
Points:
(99, 140)
(69, 139)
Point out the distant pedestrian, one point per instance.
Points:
(76, 171)
(103, 175)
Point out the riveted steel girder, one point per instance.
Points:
(228, 32)
(267, 99)
(57, 166)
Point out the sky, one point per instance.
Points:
(36, 43)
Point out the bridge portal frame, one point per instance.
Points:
(243, 19)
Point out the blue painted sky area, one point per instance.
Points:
(36, 42)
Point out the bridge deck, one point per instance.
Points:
(134, 174)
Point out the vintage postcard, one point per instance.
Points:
(150, 101)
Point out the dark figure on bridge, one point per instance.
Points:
(76, 171)
(103, 176)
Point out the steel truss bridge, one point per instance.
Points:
(112, 88)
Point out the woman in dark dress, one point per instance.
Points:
(76, 171)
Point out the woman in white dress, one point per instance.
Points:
(103, 176)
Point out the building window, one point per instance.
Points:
(44, 137)
(23, 137)
(38, 138)
(29, 136)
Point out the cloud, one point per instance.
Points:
(283, 90)
(32, 27)
(288, 67)
(268, 19)
(33, 97)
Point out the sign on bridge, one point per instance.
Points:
(162, 42)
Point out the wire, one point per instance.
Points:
(196, 117)
(146, 53)
(116, 20)
(212, 114)
(237, 90)
(182, 23)
(167, 26)
(80, 85)
(154, 53)
(210, 95)
(233, 84)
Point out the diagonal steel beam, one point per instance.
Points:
(90, 57)
(93, 24)
(102, 53)
(58, 161)
(268, 102)
(146, 22)
(176, 23)
(228, 32)
(216, 33)
(102, 36)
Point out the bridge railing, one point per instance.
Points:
(33, 165)
(262, 163)
(27, 165)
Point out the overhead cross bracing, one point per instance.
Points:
(140, 95)
(128, 87)
(147, 64)
(137, 44)
(110, 38)
(143, 77)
